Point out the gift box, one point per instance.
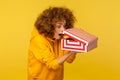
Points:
(78, 40)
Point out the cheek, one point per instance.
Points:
(57, 30)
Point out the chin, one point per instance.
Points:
(58, 38)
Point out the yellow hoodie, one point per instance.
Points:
(43, 58)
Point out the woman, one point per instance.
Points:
(46, 59)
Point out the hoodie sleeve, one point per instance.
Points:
(41, 51)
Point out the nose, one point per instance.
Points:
(62, 29)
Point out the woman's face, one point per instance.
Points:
(59, 28)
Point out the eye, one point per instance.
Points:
(59, 26)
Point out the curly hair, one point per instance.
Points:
(46, 20)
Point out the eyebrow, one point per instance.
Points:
(60, 23)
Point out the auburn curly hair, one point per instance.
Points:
(46, 20)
